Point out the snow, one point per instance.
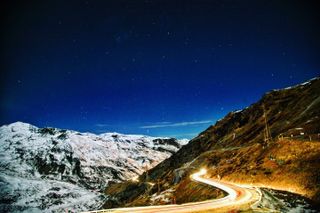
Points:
(46, 195)
(184, 141)
(299, 85)
(164, 197)
(237, 111)
(46, 169)
(281, 201)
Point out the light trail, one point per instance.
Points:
(232, 194)
(237, 196)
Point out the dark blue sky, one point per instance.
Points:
(163, 68)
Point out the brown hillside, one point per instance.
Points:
(234, 149)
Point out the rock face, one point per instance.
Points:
(49, 169)
(235, 148)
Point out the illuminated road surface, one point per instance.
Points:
(237, 196)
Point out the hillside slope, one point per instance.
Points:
(235, 150)
(46, 169)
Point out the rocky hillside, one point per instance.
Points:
(49, 169)
(240, 149)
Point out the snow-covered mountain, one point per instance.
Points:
(49, 169)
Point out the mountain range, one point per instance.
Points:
(50, 169)
(273, 144)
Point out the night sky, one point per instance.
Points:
(161, 68)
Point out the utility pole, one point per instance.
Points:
(174, 199)
(146, 170)
(267, 133)
(158, 183)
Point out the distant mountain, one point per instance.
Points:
(49, 169)
(273, 143)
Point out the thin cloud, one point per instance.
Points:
(184, 135)
(188, 123)
(102, 125)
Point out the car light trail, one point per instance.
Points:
(237, 195)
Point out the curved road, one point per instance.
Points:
(237, 196)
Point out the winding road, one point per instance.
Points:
(237, 196)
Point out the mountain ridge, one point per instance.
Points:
(235, 149)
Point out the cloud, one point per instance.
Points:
(102, 125)
(169, 124)
(183, 135)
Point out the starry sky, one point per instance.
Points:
(161, 68)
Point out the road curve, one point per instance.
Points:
(237, 196)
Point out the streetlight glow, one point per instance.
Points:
(135, 179)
